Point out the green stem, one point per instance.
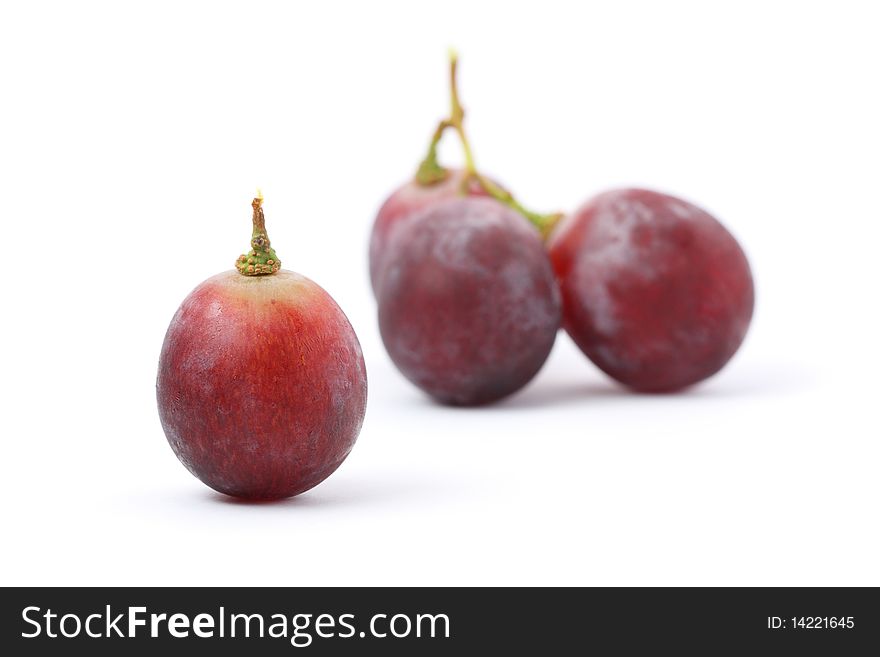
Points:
(261, 259)
(543, 222)
(430, 170)
(456, 116)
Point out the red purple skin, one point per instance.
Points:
(468, 305)
(406, 201)
(262, 387)
(656, 292)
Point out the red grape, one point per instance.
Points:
(262, 387)
(656, 292)
(468, 305)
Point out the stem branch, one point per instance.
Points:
(543, 222)
(430, 170)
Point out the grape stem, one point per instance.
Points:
(430, 171)
(261, 260)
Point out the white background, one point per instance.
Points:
(132, 138)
